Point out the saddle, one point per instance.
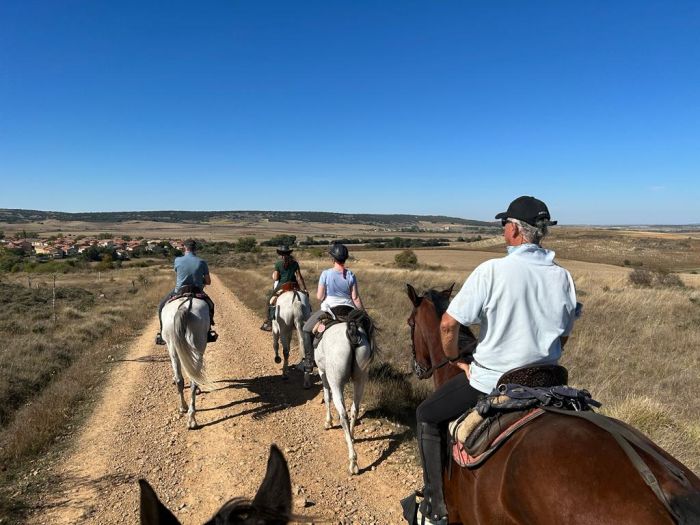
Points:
(522, 394)
(291, 286)
(355, 320)
(195, 292)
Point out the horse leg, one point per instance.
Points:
(358, 392)
(285, 354)
(327, 400)
(191, 421)
(339, 403)
(178, 379)
(276, 344)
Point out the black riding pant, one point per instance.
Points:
(448, 402)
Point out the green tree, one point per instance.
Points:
(246, 244)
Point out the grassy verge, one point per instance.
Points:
(54, 360)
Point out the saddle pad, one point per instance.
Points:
(200, 295)
(490, 434)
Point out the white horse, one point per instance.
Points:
(339, 360)
(292, 309)
(185, 328)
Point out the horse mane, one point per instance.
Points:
(241, 510)
(439, 300)
(466, 340)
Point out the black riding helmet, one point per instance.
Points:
(339, 252)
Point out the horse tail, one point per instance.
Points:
(191, 358)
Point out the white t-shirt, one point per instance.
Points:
(524, 303)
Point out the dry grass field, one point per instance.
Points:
(635, 348)
(54, 359)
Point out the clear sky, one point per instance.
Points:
(431, 107)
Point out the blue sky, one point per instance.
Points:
(432, 107)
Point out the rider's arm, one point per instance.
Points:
(562, 340)
(355, 295)
(207, 279)
(449, 335)
(321, 292)
(275, 276)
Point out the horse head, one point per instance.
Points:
(272, 504)
(428, 357)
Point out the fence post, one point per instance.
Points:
(53, 302)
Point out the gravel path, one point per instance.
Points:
(135, 431)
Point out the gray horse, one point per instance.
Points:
(340, 360)
(291, 312)
(185, 328)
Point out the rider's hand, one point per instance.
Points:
(465, 367)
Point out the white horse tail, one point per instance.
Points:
(191, 358)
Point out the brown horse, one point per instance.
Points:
(556, 469)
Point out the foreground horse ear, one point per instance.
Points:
(275, 492)
(413, 295)
(153, 512)
(447, 292)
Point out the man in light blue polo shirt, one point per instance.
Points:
(525, 305)
(192, 274)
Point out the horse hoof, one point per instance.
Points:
(278, 359)
(182, 411)
(191, 424)
(327, 425)
(353, 470)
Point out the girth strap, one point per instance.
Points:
(626, 438)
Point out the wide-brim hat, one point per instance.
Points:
(284, 250)
(528, 209)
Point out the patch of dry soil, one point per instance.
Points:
(135, 431)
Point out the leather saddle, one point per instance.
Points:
(522, 395)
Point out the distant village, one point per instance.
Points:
(59, 247)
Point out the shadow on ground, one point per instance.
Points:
(270, 394)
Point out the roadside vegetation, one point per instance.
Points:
(55, 355)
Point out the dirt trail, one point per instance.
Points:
(135, 431)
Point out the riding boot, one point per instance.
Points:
(432, 509)
(308, 352)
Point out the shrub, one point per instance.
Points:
(640, 277)
(669, 280)
(406, 259)
(246, 244)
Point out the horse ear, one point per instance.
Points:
(275, 492)
(413, 295)
(447, 292)
(153, 512)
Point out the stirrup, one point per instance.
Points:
(266, 326)
(159, 339)
(212, 336)
(427, 520)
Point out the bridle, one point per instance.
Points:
(421, 371)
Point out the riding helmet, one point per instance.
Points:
(339, 252)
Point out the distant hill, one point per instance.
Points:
(393, 220)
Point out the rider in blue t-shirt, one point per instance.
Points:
(192, 274)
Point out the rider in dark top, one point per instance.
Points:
(287, 270)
